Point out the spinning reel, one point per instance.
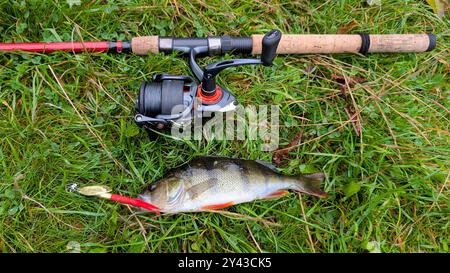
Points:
(172, 100)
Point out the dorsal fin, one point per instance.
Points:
(268, 165)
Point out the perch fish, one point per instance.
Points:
(211, 183)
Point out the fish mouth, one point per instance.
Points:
(145, 198)
(148, 199)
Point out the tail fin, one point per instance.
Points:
(310, 184)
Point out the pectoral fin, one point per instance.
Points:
(196, 190)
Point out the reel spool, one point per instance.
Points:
(170, 100)
(165, 100)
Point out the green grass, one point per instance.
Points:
(388, 186)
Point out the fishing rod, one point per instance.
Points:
(289, 44)
(169, 100)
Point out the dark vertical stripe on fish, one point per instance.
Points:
(245, 175)
(265, 172)
(211, 171)
(209, 164)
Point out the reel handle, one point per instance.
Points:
(269, 51)
(269, 46)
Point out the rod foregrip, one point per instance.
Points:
(349, 43)
(145, 44)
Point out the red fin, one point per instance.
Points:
(277, 194)
(218, 206)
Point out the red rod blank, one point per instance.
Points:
(56, 46)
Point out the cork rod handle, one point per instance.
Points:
(349, 43)
(145, 44)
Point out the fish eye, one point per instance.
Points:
(152, 187)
